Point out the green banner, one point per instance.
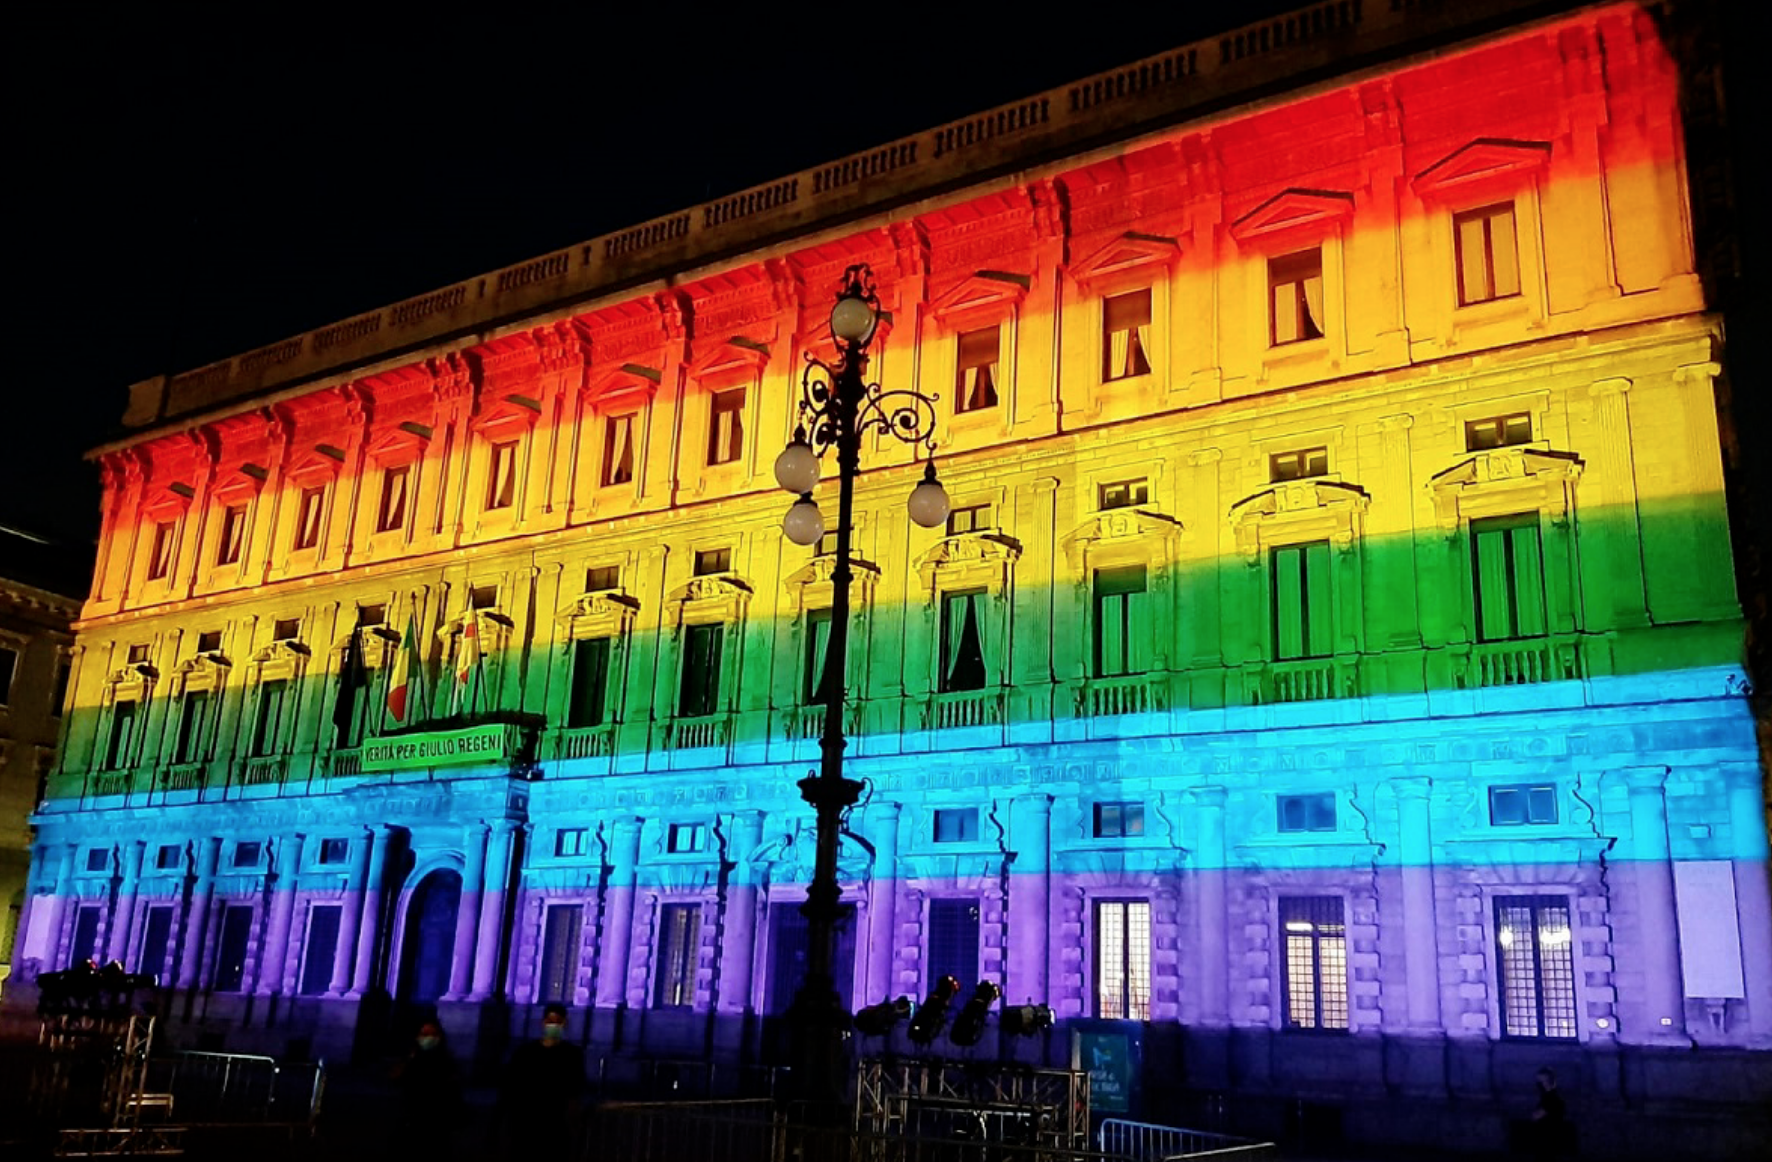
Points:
(473, 744)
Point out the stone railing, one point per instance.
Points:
(1526, 661)
(182, 776)
(689, 733)
(804, 721)
(1155, 92)
(110, 782)
(1306, 680)
(346, 761)
(586, 742)
(1125, 694)
(263, 769)
(966, 708)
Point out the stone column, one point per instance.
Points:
(618, 912)
(740, 954)
(1421, 958)
(369, 927)
(883, 818)
(467, 915)
(1753, 898)
(349, 912)
(497, 879)
(1209, 912)
(1658, 942)
(273, 968)
(123, 919)
(1030, 896)
(197, 920)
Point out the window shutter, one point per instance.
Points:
(818, 640)
(1473, 281)
(1494, 605)
(1289, 602)
(1504, 251)
(1528, 581)
(1319, 610)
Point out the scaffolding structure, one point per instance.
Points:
(984, 1101)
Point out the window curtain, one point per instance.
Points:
(816, 686)
(963, 643)
(622, 452)
(1504, 253)
(982, 393)
(1311, 288)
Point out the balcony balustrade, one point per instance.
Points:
(585, 742)
(1123, 694)
(346, 761)
(182, 776)
(1306, 680)
(966, 708)
(110, 782)
(264, 769)
(1522, 662)
(689, 733)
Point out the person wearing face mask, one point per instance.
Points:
(543, 1086)
(430, 1094)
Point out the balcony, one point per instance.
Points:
(110, 783)
(346, 762)
(585, 742)
(690, 733)
(804, 722)
(1124, 694)
(182, 777)
(963, 708)
(263, 770)
(1306, 680)
(1520, 663)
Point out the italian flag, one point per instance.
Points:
(400, 680)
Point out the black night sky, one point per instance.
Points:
(190, 182)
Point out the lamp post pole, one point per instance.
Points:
(837, 407)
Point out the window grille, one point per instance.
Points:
(1315, 940)
(1535, 956)
(1123, 959)
(679, 936)
(561, 947)
(321, 948)
(953, 942)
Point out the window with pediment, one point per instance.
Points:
(310, 506)
(160, 546)
(1295, 297)
(596, 625)
(618, 450)
(726, 426)
(1507, 577)
(1121, 558)
(967, 576)
(1487, 254)
(1122, 621)
(1126, 335)
(501, 474)
(390, 512)
(707, 612)
(975, 361)
(121, 739)
(1304, 536)
(814, 678)
(232, 536)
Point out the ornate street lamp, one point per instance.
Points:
(838, 406)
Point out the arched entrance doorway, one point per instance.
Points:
(427, 947)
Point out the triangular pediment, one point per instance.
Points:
(405, 442)
(1484, 161)
(1294, 209)
(622, 383)
(983, 290)
(318, 465)
(1128, 253)
(737, 357)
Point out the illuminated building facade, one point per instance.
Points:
(1331, 669)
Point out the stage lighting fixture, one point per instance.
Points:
(969, 1025)
(877, 1020)
(933, 1013)
(1026, 1020)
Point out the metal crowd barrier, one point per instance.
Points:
(1146, 1142)
(238, 1088)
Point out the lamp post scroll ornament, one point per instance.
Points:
(837, 407)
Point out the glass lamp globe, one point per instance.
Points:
(803, 524)
(796, 469)
(853, 319)
(928, 501)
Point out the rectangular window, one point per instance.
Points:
(308, 510)
(168, 857)
(8, 668)
(501, 475)
(1535, 953)
(369, 616)
(618, 450)
(85, 943)
(974, 518)
(1316, 962)
(1507, 567)
(711, 561)
(962, 641)
(1119, 820)
(560, 948)
(953, 942)
(956, 824)
(1498, 432)
(1122, 622)
(160, 556)
(483, 597)
(590, 683)
(826, 546)
(246, 853)
(701, 670)
(1301, 601)
(1123, 494)
(193, 727)
(209, 642)
(1488, 257)
(138, 654)
(267, 727)
(391, 513)
(58, 697)
(1123, 959)
(1299, 465)
(1307, 812)
(687, 837)
(122, 740)
(1295, 295)
(286, 629)
(726, 427)
(98, 859)
(334, 851)
(1522, 804)
(602, 578)
(975, 381)
(233, 535)
(818, 639)
(1126, 335)
(156, 941)
(571, 841)
(319, 949)
(678, 945)
(787, 955)
(230, 949)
